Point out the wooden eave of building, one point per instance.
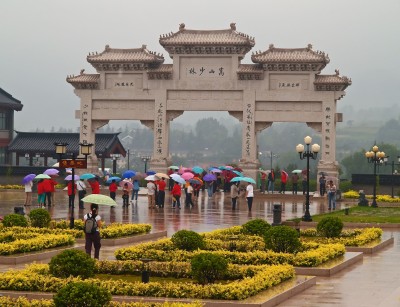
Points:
(7, 101)
(43, 143)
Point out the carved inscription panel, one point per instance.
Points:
(205, 68)
(124, 81)
(288, 82)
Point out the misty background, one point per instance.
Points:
(43, 41)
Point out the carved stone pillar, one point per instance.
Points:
(159, 161)
(249, 162)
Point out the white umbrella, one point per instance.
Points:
(151, 178)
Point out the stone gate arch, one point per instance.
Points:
(283, 85)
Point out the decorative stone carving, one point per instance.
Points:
(260, 126)
(96, 124)
(171, 115)
(316, 126)
(236, 114)
(148, 123)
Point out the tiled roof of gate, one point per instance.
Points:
(8, 101)
(206, 38)
(332, 79)
(250, 68)
(84, 78)
(163, 68)
(290, 55)
(136, 55)
(43, 142)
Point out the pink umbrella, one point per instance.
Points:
(187, 176)
(130, 184)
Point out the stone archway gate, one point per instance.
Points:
(283, 85)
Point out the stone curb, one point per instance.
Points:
(371, 250)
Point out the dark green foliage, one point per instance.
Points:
(282, 239)
(330, 227)
(15, 220)
(72, 262)
(82, 294)
(40, 218)
(257, 227)
(345, 186)
(207, 268)
(187, 240)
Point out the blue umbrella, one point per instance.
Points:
(179, 179)
(194, 181)
(128, 174)
(197, 169)
(151, 172)
(246, 179)
(117, 179)
(238, 173)
(87, 176)
(28, 178)
(209, 177)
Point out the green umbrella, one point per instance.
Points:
(99, 199)
(173, 167)
(42, 176)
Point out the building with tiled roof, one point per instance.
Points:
(41, 145)
(8, 105)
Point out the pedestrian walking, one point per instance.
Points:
(93, 238)
(71, 196)
(95, 185)
(249, 195)
(47, 187)
(322, 185)
(28, 193)
(189, 193)
(331, 195)
(295, 180)
(263, 181)
(271, 181)
(176, 194)
(234, 194)
(161, 185)
(135, 190)
(151, 194)
(125, 195)
(113, 189)
(284, 177)
(81, 186)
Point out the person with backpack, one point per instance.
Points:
(92, 231)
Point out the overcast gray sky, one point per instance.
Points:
(43, 41)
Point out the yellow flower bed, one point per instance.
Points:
(381, 198)
(35, 244)
(355, 237)
(113, 230)
(319, 255)
(35, 279)
(24, 302)
(11, 187)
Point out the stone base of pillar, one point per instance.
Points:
(93, 166)
(159, 165)
(250, 168)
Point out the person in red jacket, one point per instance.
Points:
(41, 193)
(48, 187)
(161, 185)
(113, 189)
(176, 194)
(95, 185)
(71, 196)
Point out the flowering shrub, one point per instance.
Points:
(12, 187)
(37, 279)
(355, 237)
(381, 198)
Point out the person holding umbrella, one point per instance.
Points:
(161, 185)
(71, 196)
(81, 186)
(151, 194)
(295, 180)
(41, 194)
(28, 184)
(135, 190)
(95, 185)
(271, 180)
(249, 195)
(93, 238)
(176, 194)
(234, 194)
(284, 177)
(113, 189)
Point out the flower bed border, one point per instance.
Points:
(373, 249)
(352, 257)
(301, 283)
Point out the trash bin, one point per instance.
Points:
(338, 195)
(277, 215)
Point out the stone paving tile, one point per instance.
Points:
(375, 282)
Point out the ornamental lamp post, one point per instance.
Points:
(61, 149)
(145, 159)
(376, 157)
(114, 158)
(313, 153)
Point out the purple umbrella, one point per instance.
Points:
(51, 171)
(69, 177)
(209, 177)
(28, 178)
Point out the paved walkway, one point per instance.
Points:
(375, 282)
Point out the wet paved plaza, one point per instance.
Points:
(375, 282)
